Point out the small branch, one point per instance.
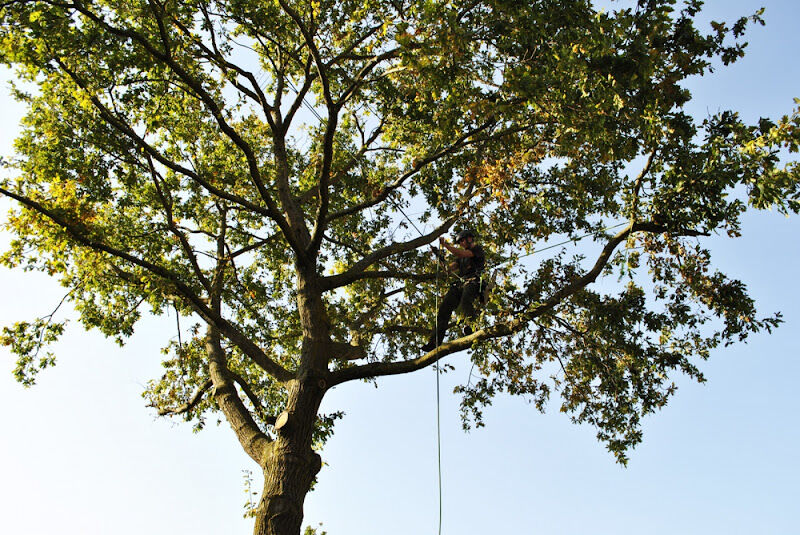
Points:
(389, 272)
(196, 398)
(365, 70)
(309, 194)
(352, 46)
(371, 311)
(253, 246)
(166, 202)
(259, 407)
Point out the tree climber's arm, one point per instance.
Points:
(458, 251)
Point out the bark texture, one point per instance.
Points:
(290, 464)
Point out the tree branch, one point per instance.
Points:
(216, 56)
(357, 270)
(312, 47)
(254, 441)
(118, 124)
(196, 398)
(379, 369)
(352, 46)
(216, 111)
(371, 311)
(309, 194)
(253, 246)
(394, 329)
(308, 79)
(461, 142)
(365, 70)
(80, 236)
(386, 274)
(259, 407)
(166, 203)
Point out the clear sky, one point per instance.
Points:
(81, 455)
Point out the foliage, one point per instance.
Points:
(238, 161)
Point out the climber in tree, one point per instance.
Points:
(468, 267)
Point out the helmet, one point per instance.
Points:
(464, 234)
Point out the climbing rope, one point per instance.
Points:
(438, 419)
(435, 366)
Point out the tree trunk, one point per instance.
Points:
(290, 464)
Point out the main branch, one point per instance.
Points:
(253, 440)
(499, 330)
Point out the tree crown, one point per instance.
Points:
(249, 164)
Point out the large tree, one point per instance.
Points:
(248, 164)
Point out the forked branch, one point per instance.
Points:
(190, 404)
(253, 440)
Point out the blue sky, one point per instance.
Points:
(81, 455)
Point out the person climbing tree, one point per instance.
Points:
(468, 267)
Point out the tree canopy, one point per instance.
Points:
(250, 165)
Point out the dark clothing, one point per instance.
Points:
(462, 293)
(471, 267)
(457, 296)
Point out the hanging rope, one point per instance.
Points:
(438, 419)
(435, 370)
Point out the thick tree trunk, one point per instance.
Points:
(290, 464)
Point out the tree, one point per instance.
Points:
(248, 164)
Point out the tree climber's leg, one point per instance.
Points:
(450, 302)
(467, 305)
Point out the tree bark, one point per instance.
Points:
(290, 465)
